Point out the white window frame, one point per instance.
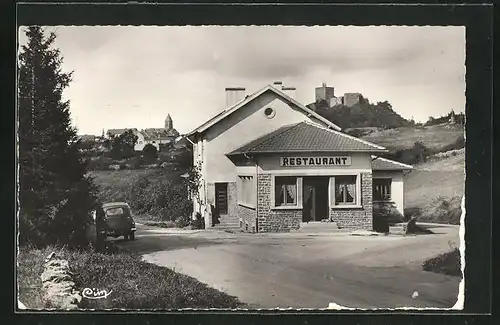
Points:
(298, 202)
(331, 193)
(240, 193)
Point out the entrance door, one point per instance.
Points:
(315, 198)
(221, 198)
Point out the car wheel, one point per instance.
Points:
(132, 236)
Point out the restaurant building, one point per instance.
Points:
(270, 164)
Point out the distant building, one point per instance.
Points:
(155, 136)
(351, 99)
(87, 138)
(325, 93)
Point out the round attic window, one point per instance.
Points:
(269, 112)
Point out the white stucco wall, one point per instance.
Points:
(140, 144)
(243, 126)
(397, 187)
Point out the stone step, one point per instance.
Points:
(318, 227)
(217, 227)
(397, 230)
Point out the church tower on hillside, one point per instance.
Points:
(168, 123)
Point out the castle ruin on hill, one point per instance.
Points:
(327, 94)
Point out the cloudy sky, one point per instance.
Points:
(134, 76)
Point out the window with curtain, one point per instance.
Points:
(382, 189)
(285, 191)
(246, 190)
(345, 190)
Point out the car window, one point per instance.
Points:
(114, 211)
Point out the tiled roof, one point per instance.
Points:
(379, 163)
(159, 133)
(307, 137)
(119, 131)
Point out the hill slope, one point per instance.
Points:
(433, 137)
(445, 177)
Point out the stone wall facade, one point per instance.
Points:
(283, 220)
(357, 218)
(248, 218)
(273, 220)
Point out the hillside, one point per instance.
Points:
(443, 177)
(362, 114)
(433, 137)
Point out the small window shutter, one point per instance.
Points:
(331, 192)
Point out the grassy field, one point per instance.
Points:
(135, 284)
(444, 178)
(433, 137)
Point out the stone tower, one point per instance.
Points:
(168, 123)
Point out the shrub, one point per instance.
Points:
(412, 212)
(183, 221)
(385, 214)
(443, 210)
(417, 154)
(198, 222)
(150, 152)
(164, 199)
(459, 143)
(447, 263)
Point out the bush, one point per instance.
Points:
(442, 210)
(150, 152)
(459, 143)
(164, 199)
(417, 154)
(198, 222)
(385, 214)
(183, 221)
(447, 263)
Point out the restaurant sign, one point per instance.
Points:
(315, 161)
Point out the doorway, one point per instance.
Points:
(315, 198)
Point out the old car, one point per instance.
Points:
(115, 219)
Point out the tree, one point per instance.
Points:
(122, 146)
(184, 159)
(55, 196)
(150, 152)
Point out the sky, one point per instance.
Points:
(127, 76)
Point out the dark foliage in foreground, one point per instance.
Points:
(55, 195)
(165, 199)
(447, 263)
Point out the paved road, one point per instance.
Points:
(309, 271)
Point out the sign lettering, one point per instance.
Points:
(315, 161)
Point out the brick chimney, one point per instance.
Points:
(278, 84)
(234, 95)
